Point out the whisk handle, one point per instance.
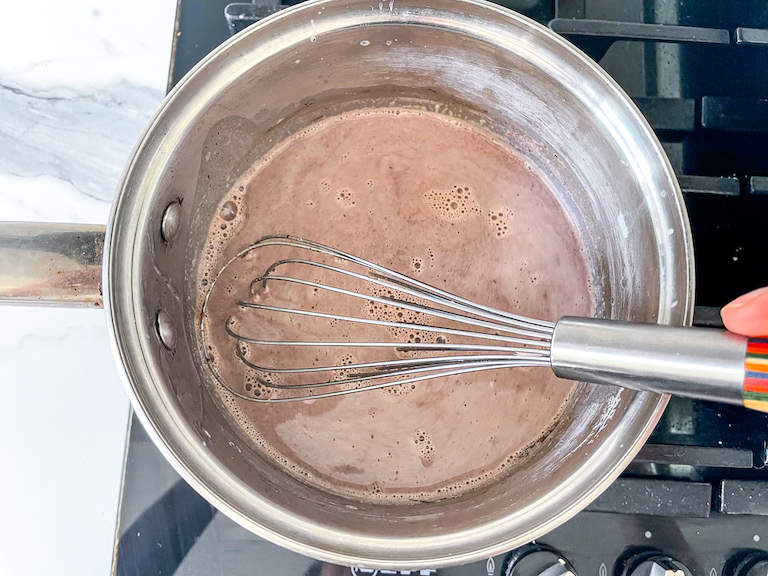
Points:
(701, 363)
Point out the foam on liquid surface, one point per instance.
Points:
(431, 197)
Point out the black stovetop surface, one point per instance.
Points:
(699, 489)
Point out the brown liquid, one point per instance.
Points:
(439, 200)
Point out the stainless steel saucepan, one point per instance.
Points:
(464, 57)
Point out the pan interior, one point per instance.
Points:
(464, 59)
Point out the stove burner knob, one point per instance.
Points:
(537, 560)
(759, 568)
(652, 562)
(661, 566)
(747, 563)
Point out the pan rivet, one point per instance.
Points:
(171, 222)
(165, 330)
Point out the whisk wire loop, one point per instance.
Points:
(510, 340)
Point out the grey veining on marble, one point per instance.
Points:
(83, 138)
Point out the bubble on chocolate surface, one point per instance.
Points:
(500, 221)
(455, 204)
(345, 197)
(228, 211)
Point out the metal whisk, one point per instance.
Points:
(450, 335)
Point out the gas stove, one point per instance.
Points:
(694, 502)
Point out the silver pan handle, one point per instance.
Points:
(51, 264)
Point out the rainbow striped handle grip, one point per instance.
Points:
(755, 392)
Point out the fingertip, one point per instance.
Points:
(748, 314)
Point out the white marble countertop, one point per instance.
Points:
(77, 86)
